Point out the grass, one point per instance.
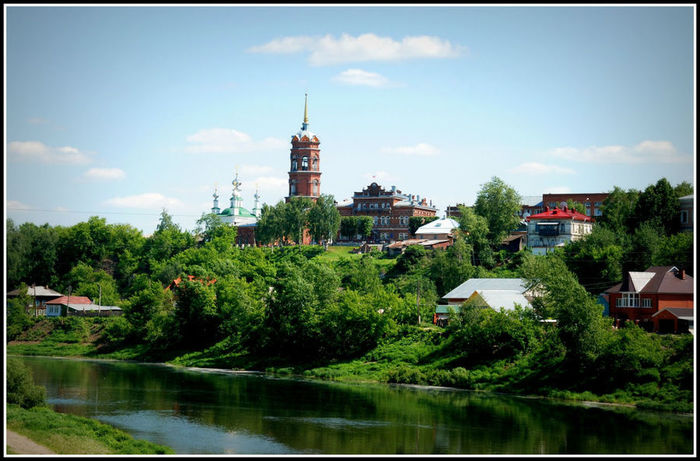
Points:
(336, 252)
(70, 434)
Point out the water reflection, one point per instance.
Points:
(218, 412)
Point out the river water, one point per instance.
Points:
(217, 412)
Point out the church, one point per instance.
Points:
(304, 181)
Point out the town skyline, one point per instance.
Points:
(121, 112)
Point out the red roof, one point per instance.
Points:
(558, 213)
(73, 300)
(191, 278)
(667, 279)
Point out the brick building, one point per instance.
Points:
(593, 202)
(390, 209)
(643, 297)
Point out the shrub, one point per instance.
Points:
(21, 389)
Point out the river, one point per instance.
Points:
(197, 411)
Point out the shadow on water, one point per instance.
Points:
(223, 412)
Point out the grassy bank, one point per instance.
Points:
(70, 434)
(416, 355)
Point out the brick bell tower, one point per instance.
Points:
(304, 172)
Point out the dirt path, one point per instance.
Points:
(23, 446)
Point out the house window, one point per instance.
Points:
(684, 216)
(628, 300)
(646, 302)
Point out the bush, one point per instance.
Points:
(21, 389)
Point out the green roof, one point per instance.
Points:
(242, 212)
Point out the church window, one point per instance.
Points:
(294, 163)
(315, 163)
(304, 163)
(293, 188)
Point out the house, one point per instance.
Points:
(642, 296)
(40, 294)
(686, 215)
(495, 293)
(440, 229)
(390, 210)
(554, 228)
(65, 305)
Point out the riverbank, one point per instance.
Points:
(69, 434)
(409, 359)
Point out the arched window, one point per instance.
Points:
(315, 163)
(304, 163)
(315, 188)
(294, 163)
(293, 188)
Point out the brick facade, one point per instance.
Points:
(592, 202)
(390, 210)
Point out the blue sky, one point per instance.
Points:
(122, 111)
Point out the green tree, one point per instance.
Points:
(324, 219)
(618, 210)
(499, 204)
(296, 218)
(270, 226)
(364, 226)
(196, 313)
(659, 206)
(580, 324)
(596, 259)
(476, 233)
(17, 318)
(348, 226)
(683, 189)
(89, 282)
(21, 389)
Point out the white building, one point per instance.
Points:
(554, 228)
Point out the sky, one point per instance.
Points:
(123, 111)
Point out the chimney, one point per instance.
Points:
(682, 274)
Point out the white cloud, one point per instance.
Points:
(644, 152)
(40, 152)
(420, 149)
(104, 174)
(15, 205)
(540, 168)
(37, 121)
(151, 200)
(226, 140)
(361, 77)
(329, 50)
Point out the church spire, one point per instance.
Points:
(305, 125)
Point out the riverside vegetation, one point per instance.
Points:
(328, 314)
